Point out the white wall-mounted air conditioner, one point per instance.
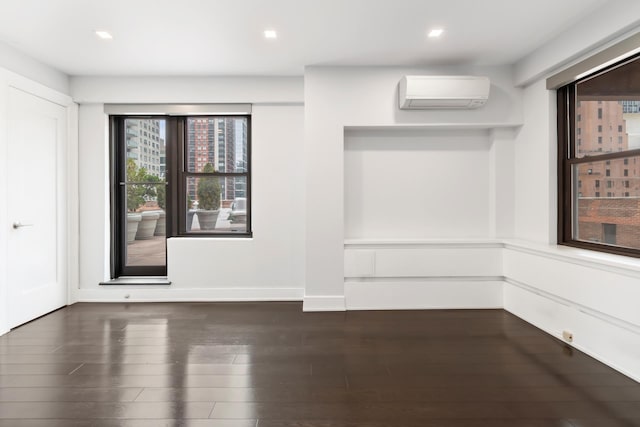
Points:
(443, 92)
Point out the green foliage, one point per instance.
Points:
(209, 190)
(135, 192)
(138, 194)
(160, 190)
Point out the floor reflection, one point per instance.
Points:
(269, 363)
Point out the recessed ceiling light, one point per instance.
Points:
(270, 34)
(104, 35)
(435, 33)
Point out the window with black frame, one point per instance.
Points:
(599, 160)
(176, 176)
(215, 175)
(139, 196)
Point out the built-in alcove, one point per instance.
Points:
(423, 206)
(417, 183)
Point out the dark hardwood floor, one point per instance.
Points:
(271, 365)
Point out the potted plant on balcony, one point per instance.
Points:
(159, 188)
(190, 213)
(208, 199)
(133, 220)
(140, 226)
(135, 199)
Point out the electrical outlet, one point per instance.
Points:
(568, 336)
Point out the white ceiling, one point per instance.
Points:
(224, 37)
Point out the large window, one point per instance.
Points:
(599, 144)
(176, 176)
(214, 176)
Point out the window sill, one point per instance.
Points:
(214, 237)
(620, 264)
(137, 281)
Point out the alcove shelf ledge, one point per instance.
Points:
(434, 126)
(609, 262)
(359, 243)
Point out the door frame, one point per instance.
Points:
(68, 186)
(118, 213)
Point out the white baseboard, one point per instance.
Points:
(117, 293)
(417, 294)
(323, 303)
(606, 339)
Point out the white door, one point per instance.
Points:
(36, 270)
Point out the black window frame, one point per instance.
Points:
(118, 196)
(566, 159)
(176, 176)
(180, 157)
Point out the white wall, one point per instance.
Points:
(413, 184)
(592, 295)
(24, 65)
(535, 167)
(93, 189)
(188, 90)
(560, 289)
(366, 98)
(414, 201)
(613, 21)
(268, 266)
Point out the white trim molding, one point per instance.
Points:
(613, 320)
(391, 274)
(152, 293)
(323, 303)
(590, 294)
(608, 56)
(596, 334)
(424, 293)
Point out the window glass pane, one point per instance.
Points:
(219, 141)
(619, 131)
(216, 204)
(145, 149)
(146, 225)
(611, 216)
(608, 112)
(145, 188)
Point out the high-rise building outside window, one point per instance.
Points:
(604, 110)
(194, 181)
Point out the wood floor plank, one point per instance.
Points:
(366, 411)
(177, 379)
(272, 365)
(98, 410)
(39, 369)
(127, 423)
(69, 394)
(512, 394)
(418, 423)
(266, 394)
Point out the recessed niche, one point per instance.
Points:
(410, 184)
